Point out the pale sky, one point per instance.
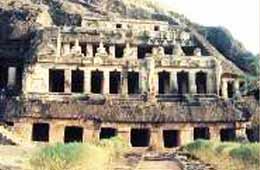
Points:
(241, 17)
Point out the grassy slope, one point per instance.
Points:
(78, 156)
(227, 155)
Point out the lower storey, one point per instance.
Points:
(164, 135)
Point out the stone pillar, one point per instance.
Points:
(112, 51)
(210, 83)
(11, 82)
(214, 133)
(89, 135)
(155, 139)
(186, 136)
(106, 82)
(124, 133)
(241, 131)
(130, 52)
(56, 133)
(173, 82)
(124, 82)
(76, 48)
(224, 89)
(236, 87)
(87, 81)
(90, 50)
(218, 73)
(143, 80)
(192, 82)
(156, 83)
(66, 48)
(58, 52)
(67, 86)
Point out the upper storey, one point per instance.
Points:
(125, 24)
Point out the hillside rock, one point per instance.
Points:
(223, 40)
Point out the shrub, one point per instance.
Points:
(56, 157)
(198, 145)
(249, 153)
(227, 155)
(76, 156)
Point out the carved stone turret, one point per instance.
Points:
(76, 49)
(197, 52)
(177, 50)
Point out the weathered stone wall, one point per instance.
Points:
(91, 131)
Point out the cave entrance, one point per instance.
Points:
(119, 50)
(140, 137)
(114, 82)
(201, 133)
(201, 82)
(253, 134)
(97, 78)
(12, 76)
(56, 80)
(188, 50)
(227, 135)
(183, 82)
(73, 134)
(107, 133)
(3, 76)
(142, 50)
(164, 82)
(95, 49)
(168, 50)
(171, 138)
(40, 132)
(77, 81)
(83, 46)
(133, 82)
(230, 89)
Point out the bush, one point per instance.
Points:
(227, 155)
(76, 156)
(198, 145)
(56, 157)
(248, 153)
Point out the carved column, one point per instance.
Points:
(106, 82)
(112, 51)
(76, 49)
(209, 83)
(58, 44)
(66, 49)
(67, 85)
(143, 80)
(87, 81)
(90, 50)
(192, 82)
(11, 82)
(214, 133)
(173, 82)
(236, 87)
(124, 82)
(224, 89)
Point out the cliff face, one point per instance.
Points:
(20, 18)
(234, 50)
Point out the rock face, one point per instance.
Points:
(19, 19)
(223, 40)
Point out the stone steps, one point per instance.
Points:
(8, 137)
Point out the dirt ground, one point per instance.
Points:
(17, 158)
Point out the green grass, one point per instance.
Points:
(227, 155)
(77, 156)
